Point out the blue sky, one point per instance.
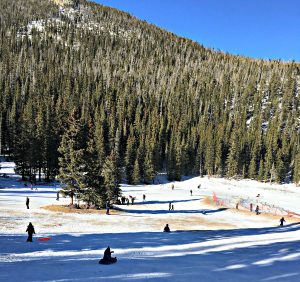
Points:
(268, 29)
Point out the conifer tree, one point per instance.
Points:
(111, 177)
(72, 163)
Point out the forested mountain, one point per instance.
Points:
(84, 84)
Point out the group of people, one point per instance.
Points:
(126, 200)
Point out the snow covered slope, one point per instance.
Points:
(206, 243)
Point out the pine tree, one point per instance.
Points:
(136, 175)
(111, 176)
(72, 163)
(94, 192)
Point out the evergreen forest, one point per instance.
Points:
(94, 96)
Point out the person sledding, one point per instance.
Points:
(167, 228)
(107, 258)
(282, 220)
(30, 230)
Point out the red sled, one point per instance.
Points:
(44, 239)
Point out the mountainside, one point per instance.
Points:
(142, 96)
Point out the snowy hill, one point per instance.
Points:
(206, 242)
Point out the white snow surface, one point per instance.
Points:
(206, 242)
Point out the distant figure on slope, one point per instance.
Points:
(167, 228)
(144, 197)
(257, 210)
(123, 199)
(107, 258)
(282, 220)
(251, 207)
(107, 207)
(132, 200)
(172, 186)
(191, 191)
(27, 203)
(30, 230)
(57, 196)
(170, 206)
(199, 186)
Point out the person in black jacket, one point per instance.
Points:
(167, 228)
(107, 258)
(30, 230)
(282, 220)
(27, 203)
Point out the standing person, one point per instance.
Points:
(170, 206)
(199, 186)
(27, 203)
(57, 196)
(172, 186)
(144, 197)
(257, 210)
(107, 207)
(191, 191)
(30, 230)
(282, 220)
(251, 207)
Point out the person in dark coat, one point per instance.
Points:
(30, 230)
(107, 258)
(257, 210)
(282, 220)
(144, 197)
(167, 228)
(107, 207)
(251, 207)
(191, 191)
(170, 206)
(27, 203)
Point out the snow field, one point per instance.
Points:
(206, 242)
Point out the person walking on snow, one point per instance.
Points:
(107, 207)
(30, 230)
(257, 210)
(144, 197)
(27, 203)
(191, 191)
(170, 206)
(282, 220)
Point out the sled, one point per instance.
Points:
(44, 239)
(113, 260)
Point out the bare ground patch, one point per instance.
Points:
(67, 209)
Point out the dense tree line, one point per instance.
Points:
(146, 101)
